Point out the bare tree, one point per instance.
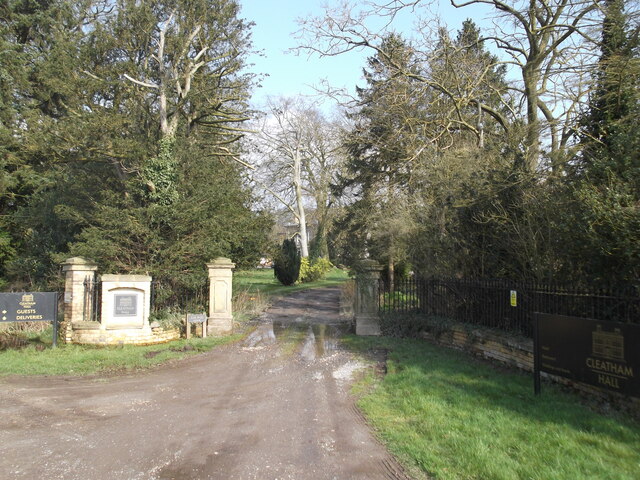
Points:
(188, 58)
(549, 44)
(182, 61)
(298, 151)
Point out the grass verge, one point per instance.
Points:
(449, 416)
(70, 359)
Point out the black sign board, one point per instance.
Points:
(196, 317)
(602, 354)
(30, 307)
(125, 305)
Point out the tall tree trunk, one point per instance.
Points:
(322, 214)
(531, 76)
(391, 273)
(297, 182)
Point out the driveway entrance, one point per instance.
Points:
(275, 406)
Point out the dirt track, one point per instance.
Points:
(273, 407)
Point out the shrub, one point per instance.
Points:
(286, 264)
(401, 300)
(402, 271)
(405, 325)
(312, 270)
(168, 319)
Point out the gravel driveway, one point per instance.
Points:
(275, 406)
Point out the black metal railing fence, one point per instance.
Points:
(92, 300)
(171, 297)
(504, 304)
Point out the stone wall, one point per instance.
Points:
(516, 352)
(90, 333)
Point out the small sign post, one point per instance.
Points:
(196, 318)
(31, 307)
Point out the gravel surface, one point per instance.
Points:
(275, 406)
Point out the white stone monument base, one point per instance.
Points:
(124, 316)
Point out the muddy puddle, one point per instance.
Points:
(310, 341)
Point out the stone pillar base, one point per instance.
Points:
(368, 325)
(219, 326)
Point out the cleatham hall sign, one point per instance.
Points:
(602, 354)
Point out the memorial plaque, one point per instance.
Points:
(602, 354)
(125, 305)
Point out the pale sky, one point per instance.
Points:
(291, 75)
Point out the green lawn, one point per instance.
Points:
(449, 416)
(264, 281)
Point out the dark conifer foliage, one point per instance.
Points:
(119, 133)
(286, 264)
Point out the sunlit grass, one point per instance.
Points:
(70, 359)
(449, 416)
(254, 290)
(264, 281)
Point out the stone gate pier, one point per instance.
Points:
(366, 301)
(220, 320)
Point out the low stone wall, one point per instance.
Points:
(516, 352)
(489, 344)
(90, 333)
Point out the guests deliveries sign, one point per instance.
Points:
(30, 307)
(603, 354)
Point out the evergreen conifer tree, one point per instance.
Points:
(286, 265)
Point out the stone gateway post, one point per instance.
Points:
(366, 302)
(78, 273)
(220, 320)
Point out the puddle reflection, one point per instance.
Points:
(263, 335)
(312, 341)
